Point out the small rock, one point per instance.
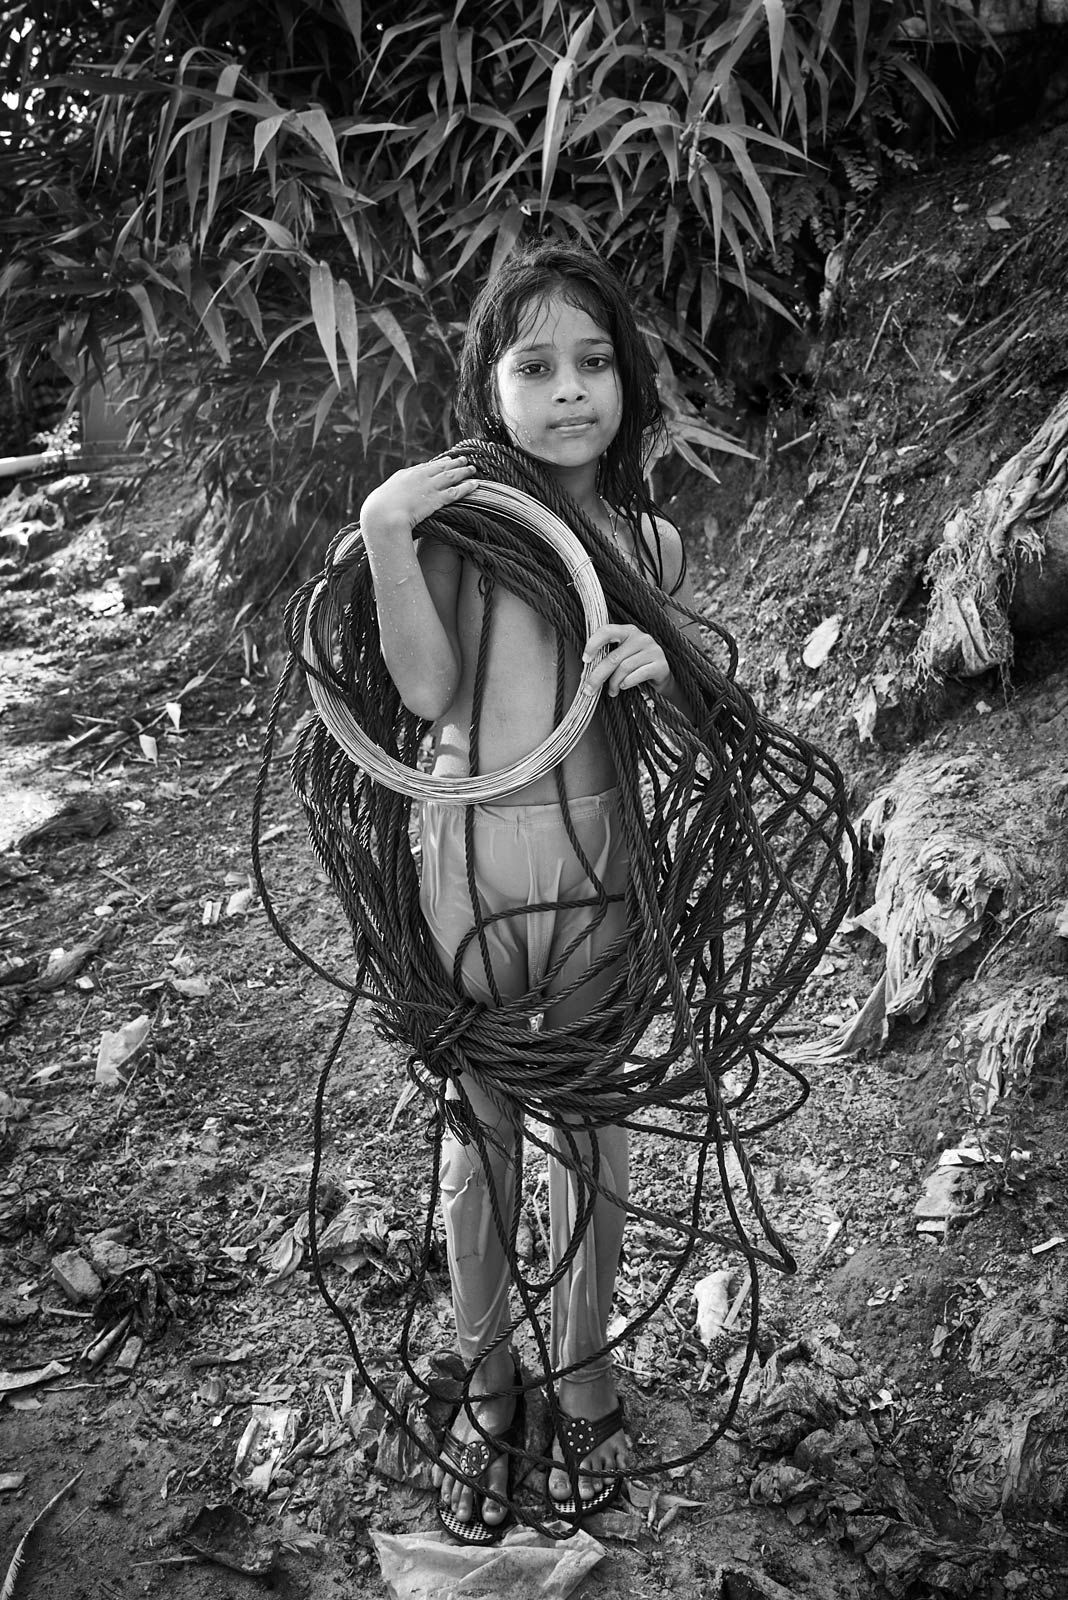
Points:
(75, 1276)
(110, 1257)
(130, 1354)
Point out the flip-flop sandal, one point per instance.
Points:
(472, 1458)
(578, 1438)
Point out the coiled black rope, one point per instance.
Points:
(740, 855)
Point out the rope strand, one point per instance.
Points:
(740, 855)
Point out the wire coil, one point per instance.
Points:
(515, 508)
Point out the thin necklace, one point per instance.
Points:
(612, 520)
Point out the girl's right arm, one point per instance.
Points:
(415, 590)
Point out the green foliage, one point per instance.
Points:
(278, 214)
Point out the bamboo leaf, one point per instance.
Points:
(286, 333)
(387, 324)
(735, 142)
(434, 140)
(464, 55)
(660, 117)
(671, 230)
(320, 131)
(227, 79)
(163, 17)
(243, 298)
(143, 300)
(861, 19)
(322, 305)
(352, 11)
(348, 325)
(558, 105)
(263, 134)
(775, 12)
(825, 27)
(508, 232)
(352, 130)
(275, 231)
(276, 390)
(476, 237)
(326, 400)
(450, 63)
(709, 438)
(194, 168)
(211, 320)
(928, 91)
(710, 299)
(594, 119)
(679, 444)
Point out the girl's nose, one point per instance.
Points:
(570, 385)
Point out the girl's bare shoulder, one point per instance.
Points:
(663, 538)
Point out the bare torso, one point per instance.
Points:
(518, 702)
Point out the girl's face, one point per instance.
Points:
(557, 386)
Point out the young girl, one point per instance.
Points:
(553, 364)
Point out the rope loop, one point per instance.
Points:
(739, 869)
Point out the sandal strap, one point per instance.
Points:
(471, 1457)
(579, 1437)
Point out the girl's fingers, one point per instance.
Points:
(608, 634)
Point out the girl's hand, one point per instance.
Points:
(635, 659)
(415, 493)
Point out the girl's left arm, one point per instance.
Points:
(635, 657)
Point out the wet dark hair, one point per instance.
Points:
(529, 277)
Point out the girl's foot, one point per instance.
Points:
(466, 1449)
(593, 1403)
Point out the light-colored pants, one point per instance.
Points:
(524, 858)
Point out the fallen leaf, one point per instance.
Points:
(31, 1377)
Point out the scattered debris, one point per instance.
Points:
(119, 1049)
(1007, 1034)
(826, 1424)
(1014, 1453)
(821, 641)
(424, 1566)
(967, 630)
(224, 1535)
(269, 1435)
(10, 1583)
(713, 1303)
(15, 1383)
(938, 884)
(84, 816)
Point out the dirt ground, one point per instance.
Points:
(161, 1047)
